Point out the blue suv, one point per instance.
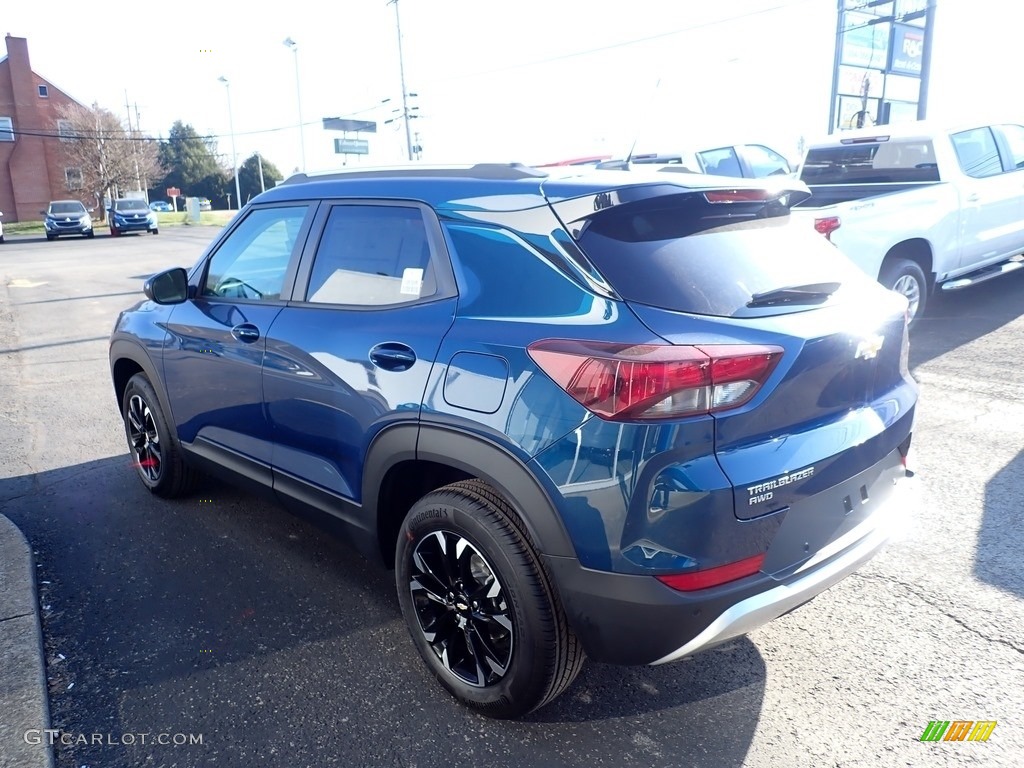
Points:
(623, 417)
(132, 215)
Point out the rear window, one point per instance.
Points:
(675, 257)
(885, 162)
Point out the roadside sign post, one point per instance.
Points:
(174, 193)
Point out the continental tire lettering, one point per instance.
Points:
(434, 513)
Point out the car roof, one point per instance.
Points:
(492, 186)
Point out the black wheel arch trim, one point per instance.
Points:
(498, 466)
(127, 349)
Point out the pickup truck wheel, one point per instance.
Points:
(479, 603)
(907, 279)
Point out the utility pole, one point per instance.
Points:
(401, 73)
(131, 134)
(837, 60)
(259, 160)
(926, 59)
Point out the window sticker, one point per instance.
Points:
(412, 281)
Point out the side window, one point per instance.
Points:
(765, 162)
(1014, 135)
(252, 262)
(503, 277)
(372, 255)
(976, 150)
(721, 162)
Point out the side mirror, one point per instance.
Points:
(168, 287)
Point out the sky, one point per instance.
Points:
(530, 81)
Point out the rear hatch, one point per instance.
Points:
(822, 438)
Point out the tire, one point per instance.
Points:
(51, 237)
(466, 570)
(153, 447)
(154, 231)
(90, 233)
(908, 279)
(114, 232)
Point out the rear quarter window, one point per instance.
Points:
(501, 276)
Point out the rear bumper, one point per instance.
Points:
(626, 619)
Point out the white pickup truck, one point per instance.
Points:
(920, 206)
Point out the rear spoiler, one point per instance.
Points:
(753, 200)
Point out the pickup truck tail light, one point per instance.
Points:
(625, 382)
(827, 226)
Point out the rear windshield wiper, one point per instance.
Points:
(812, 293)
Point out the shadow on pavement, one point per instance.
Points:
(1001, 538)
(955, 318)
(80, 298)
(28, 347)
(222, 614)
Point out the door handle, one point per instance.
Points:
(973, 197)
(246, 332)
(393, 356)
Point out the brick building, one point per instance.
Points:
(32, 168)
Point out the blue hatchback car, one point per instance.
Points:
(624, 417)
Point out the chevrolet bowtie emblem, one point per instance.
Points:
(867, 349)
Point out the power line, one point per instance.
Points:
(56, 134)
(625, 43)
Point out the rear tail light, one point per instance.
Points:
(827, 226)
(622, 382)
(712, 577)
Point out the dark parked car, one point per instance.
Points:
(132, 215)
(67, 217)
(579, 416)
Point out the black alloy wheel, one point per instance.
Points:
(154, 448)
(480, 605)
(144, 439)
(461, 608)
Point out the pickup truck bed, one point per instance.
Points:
(920, 206)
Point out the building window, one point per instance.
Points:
(73, 177)
(6, 129)
(66, 130)
(43, 92)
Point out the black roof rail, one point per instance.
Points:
(494, 171)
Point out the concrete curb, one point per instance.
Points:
(23, 697)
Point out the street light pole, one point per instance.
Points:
(289, 43)
(405, 95)
(234, 154)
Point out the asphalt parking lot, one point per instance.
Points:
(223, 617)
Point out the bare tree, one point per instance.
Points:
(111, 160)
